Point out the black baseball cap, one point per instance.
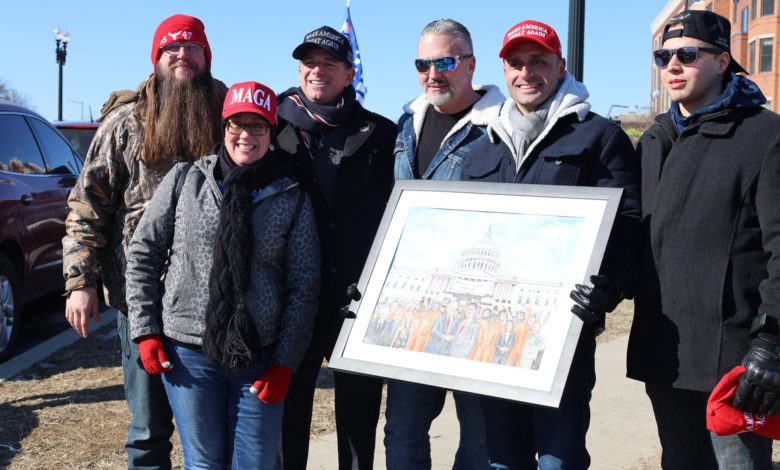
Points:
(704, 25)
(327, 39)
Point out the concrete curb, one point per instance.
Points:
(29, 358)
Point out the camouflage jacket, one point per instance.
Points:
(107, 202)
(106, 205)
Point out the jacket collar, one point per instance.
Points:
(484, 111)
(209, 162)
(570, 99)
(739, 92)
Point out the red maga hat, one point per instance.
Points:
(724, 420)
(250, 97)
(532, 31)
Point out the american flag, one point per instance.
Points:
(348, 30)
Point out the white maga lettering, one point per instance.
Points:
(260, 101)
(259, 97)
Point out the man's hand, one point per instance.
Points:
(759, 387)
(82, 304)
(153, 356)
(273, 384)
(593, 302)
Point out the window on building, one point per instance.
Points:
(765, 50)
(744, 20)
(753, 9)
(709, 7)
(751, 63)
(767, 7)
(735, 11)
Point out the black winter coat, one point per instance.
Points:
(711, 254)
(346, 228)
(592, 152)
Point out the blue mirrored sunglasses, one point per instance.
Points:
(442, 64)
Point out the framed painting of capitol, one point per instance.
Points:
(467, 287)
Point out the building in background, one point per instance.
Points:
(755, 29)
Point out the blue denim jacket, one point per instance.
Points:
(447, 164)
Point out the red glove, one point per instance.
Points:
(273, 383)
(153, 355)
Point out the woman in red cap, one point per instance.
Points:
(230, 319)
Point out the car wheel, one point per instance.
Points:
(10, 313)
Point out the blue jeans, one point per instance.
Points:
(221, 423)
(411, 408)
(681, 419)
(518, 434)
(151, 421)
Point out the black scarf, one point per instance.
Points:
(311, 117)
(230, 336)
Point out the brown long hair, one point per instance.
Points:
(181, 118)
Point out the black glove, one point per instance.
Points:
(593, 302)
(759, 387)
(352, 294)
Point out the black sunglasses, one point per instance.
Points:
(686, 55)
(442, 64)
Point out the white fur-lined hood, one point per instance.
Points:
(484, 111)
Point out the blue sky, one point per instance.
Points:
(111, 44)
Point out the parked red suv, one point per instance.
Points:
(38, 168)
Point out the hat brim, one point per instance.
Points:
(300, 52)
(247, 108)
(734, 65)
(522, 39)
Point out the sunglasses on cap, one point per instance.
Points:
(442, 64)
(686, 55)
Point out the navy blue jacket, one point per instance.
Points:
(591, 152)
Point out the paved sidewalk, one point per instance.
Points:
(622, 430)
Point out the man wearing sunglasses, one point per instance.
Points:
(174, 117)
(709, 295)
(437, 131)
(546, 134)
(342, 157)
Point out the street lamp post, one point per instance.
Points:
(576, 50)
(62, 38)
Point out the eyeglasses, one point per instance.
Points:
(686, 55)
(442, 64)
(254, 128)
(172, 48)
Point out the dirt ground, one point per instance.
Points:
(69, 411)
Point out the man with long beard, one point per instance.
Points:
(175, 118)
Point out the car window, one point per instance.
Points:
(18, 151)
(79, 138)
(58, 155)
